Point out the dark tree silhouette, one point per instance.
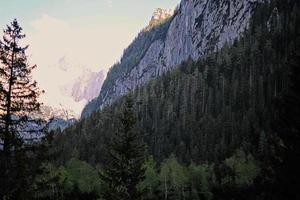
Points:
(18, 99)
(126, 158)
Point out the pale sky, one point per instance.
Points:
(86, 34)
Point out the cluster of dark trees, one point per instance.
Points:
(223, 127)
(240, 97)
(130, 173)
(234, 179)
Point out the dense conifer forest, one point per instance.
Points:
(223, 127)
(220, 119)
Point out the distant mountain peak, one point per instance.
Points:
(86, 87)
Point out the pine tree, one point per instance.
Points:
(18, 98)
(125, 167)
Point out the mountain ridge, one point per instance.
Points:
(196, 29)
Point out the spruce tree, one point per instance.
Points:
(18, 99)
(125, 167)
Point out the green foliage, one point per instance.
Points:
(82, 176)
(201, 179)
(151, 182)
(74, 181)
(49, 185)
(173, 178)
(244, 170)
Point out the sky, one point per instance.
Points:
(84, 34)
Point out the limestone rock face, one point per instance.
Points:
(85, 87)
(197, 28)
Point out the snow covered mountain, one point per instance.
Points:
(86, 87)
(71, 84)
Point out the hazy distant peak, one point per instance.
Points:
(86, 87)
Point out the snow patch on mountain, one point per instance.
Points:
(70, 85)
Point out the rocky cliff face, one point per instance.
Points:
(197, 27)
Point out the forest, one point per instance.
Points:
(222, 127)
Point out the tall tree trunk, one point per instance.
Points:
(8, 135)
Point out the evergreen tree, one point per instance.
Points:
(18, 98)
(125, 167)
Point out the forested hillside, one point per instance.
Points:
(204, 110)
(197, 28)
(223, 116)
